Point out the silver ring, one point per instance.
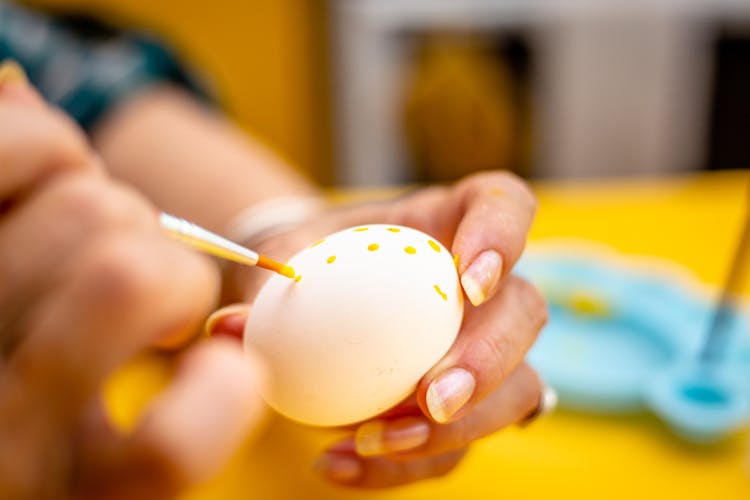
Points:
(547, 403)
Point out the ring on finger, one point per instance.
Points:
(547, 403)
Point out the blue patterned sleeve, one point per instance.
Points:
(84, 67)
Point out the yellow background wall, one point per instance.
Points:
(265, 57)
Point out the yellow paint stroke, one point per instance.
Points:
(331, 259)
(394, 229)
(410, 250)
(373, 247)
(317, 243)
(497, 192)
(434, 246)
(297, 278)
(455, 260)
(438, 290)
(360, 229)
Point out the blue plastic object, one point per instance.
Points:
(622, 339)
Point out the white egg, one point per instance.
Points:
(371, 310)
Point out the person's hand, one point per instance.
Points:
(482, 384)
(87, 280)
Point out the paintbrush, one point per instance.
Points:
(716, 341)
(218, 246)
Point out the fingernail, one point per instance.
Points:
(379, 437)
(338, 467)
(449, 393)
(12, 72)
(481, 276)
(228, 321)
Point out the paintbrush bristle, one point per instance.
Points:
(275, 266)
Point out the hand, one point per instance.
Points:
(482, 384)
(87, 280)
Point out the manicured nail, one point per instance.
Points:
(479, 279)
(448, 393)
(12, 72)
(228, 321)
(379, 437)
(337, 467)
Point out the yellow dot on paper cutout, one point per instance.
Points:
(410, 250)
(434, 246)
(317, 243)
(331, 259)
(297, 278)
(438, 290)
(360, 229)
(373, 247)
(394, 229)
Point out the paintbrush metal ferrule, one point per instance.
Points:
(211, 243)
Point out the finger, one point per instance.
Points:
(492, 342)
(37, 143)
(413, 437)
(40, 235)
(229, 321)
(210, 408)
(120, 294)
(348, 469)
(492, 233)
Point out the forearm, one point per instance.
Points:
(191, 161)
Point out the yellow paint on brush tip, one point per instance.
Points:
(275, 266)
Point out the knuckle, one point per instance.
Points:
(119, 273)
(97, 203)
(83, 199)
(494, 347)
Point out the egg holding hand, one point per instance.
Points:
(371, 309)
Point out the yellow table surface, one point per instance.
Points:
(691, 220)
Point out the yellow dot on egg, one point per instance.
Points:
(410, 250)
(438, 290)
(297, 278)
(373, 247)
(360, 229)
(394, 229)
(434, 246)
(317, 243)
(331, 259)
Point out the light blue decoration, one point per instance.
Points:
(622, 339)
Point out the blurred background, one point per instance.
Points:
(374, 92)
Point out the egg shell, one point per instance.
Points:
(371, 310)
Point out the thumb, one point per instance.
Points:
(229, 321)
